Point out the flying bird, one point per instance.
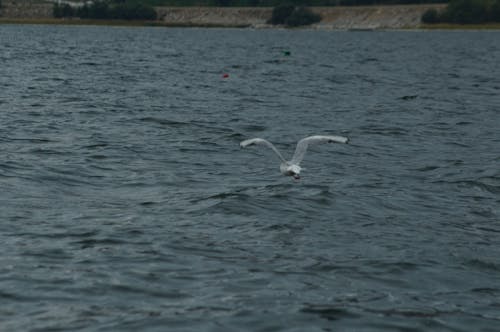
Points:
(292, 167)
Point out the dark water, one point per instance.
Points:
(127, 204)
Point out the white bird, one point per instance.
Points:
(292, 167)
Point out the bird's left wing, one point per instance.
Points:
(261, 141)
(302, 145)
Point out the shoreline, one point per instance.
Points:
(352, 18)
(125, 23)
(111, 23)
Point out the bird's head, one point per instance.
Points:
(293, 170)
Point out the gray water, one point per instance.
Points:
(126, 203)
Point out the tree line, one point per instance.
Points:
(465, 12)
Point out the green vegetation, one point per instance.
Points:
(281, 14)
(115, 10)
(302, 16)
(465, 12)
(292, 16)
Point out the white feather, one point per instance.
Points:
(303, 144)
(260, 141)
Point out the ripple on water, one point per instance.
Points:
(127, 203)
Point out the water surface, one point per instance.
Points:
(127, 204)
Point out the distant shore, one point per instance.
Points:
(383, 17)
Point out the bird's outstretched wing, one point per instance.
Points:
(260, 141)
(302, 145)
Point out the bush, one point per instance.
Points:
(495, 11)
(292, 16)
(281, 14)
(430, 16)
(465, 12)
(133, 12)
(469, 11)
(64, 10)
(99, 10)
(302, 16)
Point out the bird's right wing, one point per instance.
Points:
(302, 145)
(260, 141)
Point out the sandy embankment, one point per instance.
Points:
(373, 17)
(215, 16)
(333, 18)
(25, 10)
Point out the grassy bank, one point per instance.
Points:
(129, 23)
(452, 26)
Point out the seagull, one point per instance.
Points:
(292, 168)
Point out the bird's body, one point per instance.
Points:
(292, 167)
